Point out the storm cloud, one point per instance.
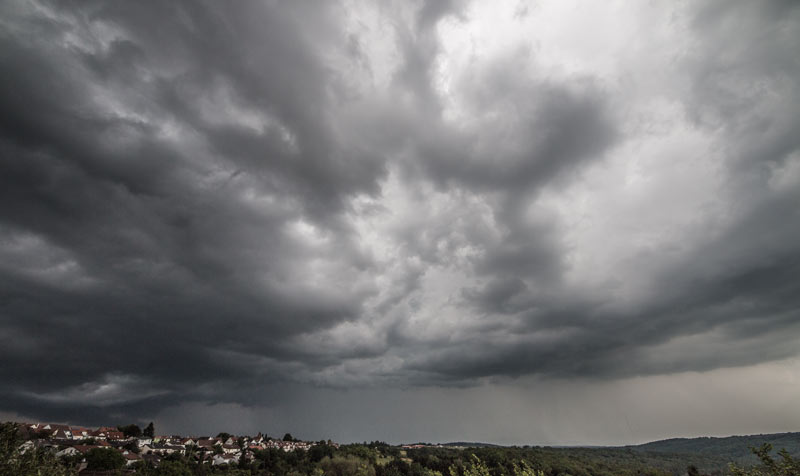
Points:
(231, 206)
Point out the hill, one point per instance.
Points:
(470, 444)
(732, 448)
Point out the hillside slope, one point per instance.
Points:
(733, 448)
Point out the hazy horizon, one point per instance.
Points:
(212, 433)
(545, 222)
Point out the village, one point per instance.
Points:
(137, 446)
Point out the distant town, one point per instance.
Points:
(143, 445)
(136, 444)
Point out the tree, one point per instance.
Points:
(319, 451)
(223, 435)
(173, 468)
(149, 431)
(788, 466)
(475, 467)
(288, 437)
(346, 466)
(104, 459)
(132, 447)
(130, 430)
(692, 470)
(191, 452)
(243, 462)
(30, 463)
(522, 468)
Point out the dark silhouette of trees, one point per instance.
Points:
(130, 430)
(104, 459)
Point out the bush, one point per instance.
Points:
(104, 459)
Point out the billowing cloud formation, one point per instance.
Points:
(207, 203)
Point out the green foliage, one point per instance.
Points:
(544, 461)
(288, 437)
(361, 451)
(149, 431)
(317, 452)
(346, 466)
(32, 462)
(723, 450)
(132, 447)
(787, 466)
(223, 435)
(522, 468)
(172, 468)
(474, 467)
(104, 459)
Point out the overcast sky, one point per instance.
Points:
(519, 222)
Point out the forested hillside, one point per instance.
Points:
(732, 448)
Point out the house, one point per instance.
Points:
(166, 449)
(28, 445)
(68, 451)
(59, 432)
(130, 457)
(208, 443)
(230, 449)
(83, 449)
(152, 459)
(25, 430)
(79, 433)
(224, 459)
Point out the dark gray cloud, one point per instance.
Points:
(241, 205)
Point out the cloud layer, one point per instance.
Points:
(204, 205)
